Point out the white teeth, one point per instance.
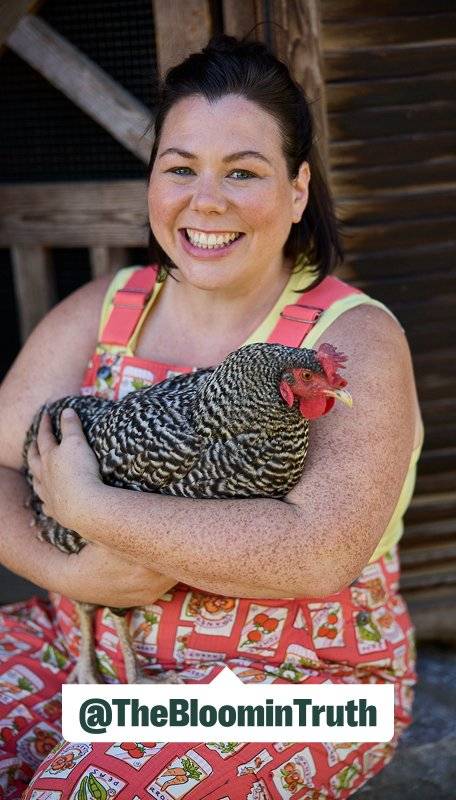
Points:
(210, 241)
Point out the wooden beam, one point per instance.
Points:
(33, 284)
(85, 214)
(106, 260)
(300, 47)
(181, 29)
(83, 82)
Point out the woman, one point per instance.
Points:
(232, 161)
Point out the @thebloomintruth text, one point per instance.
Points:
(97, 714)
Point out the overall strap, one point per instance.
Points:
(297, 319)
(128, 305)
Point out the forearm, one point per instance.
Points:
(20, 549)
(94, 575)
(255, 548)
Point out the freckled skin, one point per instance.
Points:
(319, 540)
(330, 523)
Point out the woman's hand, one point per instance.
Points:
(98, 574)
(63, 474)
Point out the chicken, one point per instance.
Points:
(236, 430)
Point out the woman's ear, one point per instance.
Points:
(300, 191)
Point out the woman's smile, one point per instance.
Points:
(209, 244)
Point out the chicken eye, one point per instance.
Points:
(306, 375)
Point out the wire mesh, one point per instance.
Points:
(44, 136)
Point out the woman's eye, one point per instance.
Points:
(180, 171)
(242, 174)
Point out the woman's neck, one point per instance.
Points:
(220, 311)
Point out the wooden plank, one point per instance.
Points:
(382, 61)
(85, 214)
(361, 32)
(444, 332)
(396, 235)
(181, 29)
(373, 208)
(441, 405)
(355, 95)
(106, 260)
(420, 314)
(402, 290)
(439, 358)
(387, 121)
(443, 571)
(440, 529)
(344, 9)
(442, 481)
(441, 505)
(438, 435)
(296, 38)
(33, 284)
(397, 149)
(441, 460)
(86, 84)
(427, 553)
(431, 617)
(239, 17)
(437, 172)
(414, 260)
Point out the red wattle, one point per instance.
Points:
(315, 407)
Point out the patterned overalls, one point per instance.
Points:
(361, 634)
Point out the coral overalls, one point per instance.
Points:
(361, 634)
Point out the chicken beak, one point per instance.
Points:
(340, 394)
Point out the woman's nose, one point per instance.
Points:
(207, 196)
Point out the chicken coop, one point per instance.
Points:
(79, 82)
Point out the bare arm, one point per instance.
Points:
(323, 535)
(51, 365)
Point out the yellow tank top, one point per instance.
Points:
(298, 281)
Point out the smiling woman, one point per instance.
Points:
(219, 209)
(304, 589)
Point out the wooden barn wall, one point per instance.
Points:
(390, 86)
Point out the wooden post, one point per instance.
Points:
(239, 17)
(299, 46)
(34, 285)
(181, 28)
(106, 260)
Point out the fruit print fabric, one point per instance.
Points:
(362, 634)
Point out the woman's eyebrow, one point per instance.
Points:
(232, 157)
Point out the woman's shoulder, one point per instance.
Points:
(379, 359)
(51, 363)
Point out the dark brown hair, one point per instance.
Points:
(228, 66)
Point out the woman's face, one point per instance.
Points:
(221, 203)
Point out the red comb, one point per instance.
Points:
(331, 360)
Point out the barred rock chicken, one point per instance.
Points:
(236, 430)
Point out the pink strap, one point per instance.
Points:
(128, 306)
(295, 322)
(297, 319)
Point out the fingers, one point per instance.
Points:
(45, 438)
(70, 424)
